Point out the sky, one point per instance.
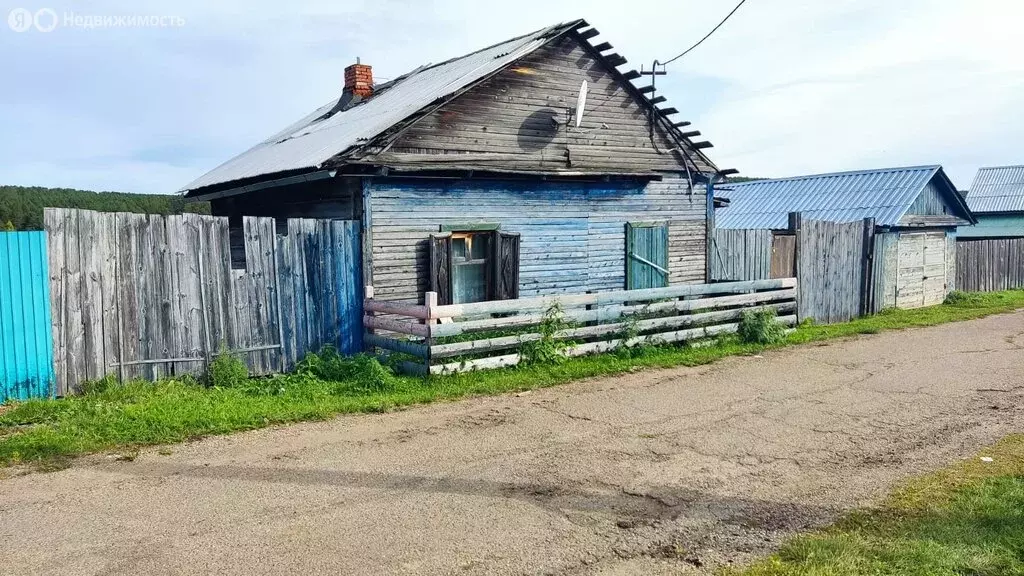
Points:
(785, 87)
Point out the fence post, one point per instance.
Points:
(367, 295)
(867, 280)
(202, 302)
(430, 301)
(276, 246)
(794, 226)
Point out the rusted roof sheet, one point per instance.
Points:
(310, 142)
(997, 189)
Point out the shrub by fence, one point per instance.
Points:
(458, 337)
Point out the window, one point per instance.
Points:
(469, 266)
(474, 265)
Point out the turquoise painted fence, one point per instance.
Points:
(26, 342)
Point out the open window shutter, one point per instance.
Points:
(505, 275)
(646, 255)
(441, 267)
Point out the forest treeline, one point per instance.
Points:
(21, 208)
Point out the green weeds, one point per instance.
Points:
(124, 416)
(548, 349)
(761, 327)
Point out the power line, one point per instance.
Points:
(708, 35)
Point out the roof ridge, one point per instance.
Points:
(842, 173)
(537, 32)
(1008, 166)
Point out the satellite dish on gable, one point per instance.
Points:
(581, 101)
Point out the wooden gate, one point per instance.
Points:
(646, 255)
(832, 269)
(921, 269)
(783, 256)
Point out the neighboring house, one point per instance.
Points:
(997, 199)
(472, 178)
(916, 212)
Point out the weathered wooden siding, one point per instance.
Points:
(149, 296)
(990, 265)
(931, 202)
(883, 273)
(507, 123)
(573, 234)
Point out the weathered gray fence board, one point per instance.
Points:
(150, 296)
(990, 265)
(54, 222)
(75, 345)
(741, 255)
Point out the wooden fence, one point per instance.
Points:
(990, 264)
(833, 262)
(754, 254)
(741, 255)
(458, 337)
(147, 296)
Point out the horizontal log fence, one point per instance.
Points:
(460, 337)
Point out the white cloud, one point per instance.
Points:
(785, 87)
(929, 82)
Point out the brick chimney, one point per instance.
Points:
(359, 80)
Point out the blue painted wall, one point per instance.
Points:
(572, 234)
(26, 341)
(994, 226)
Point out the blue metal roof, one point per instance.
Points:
(997, 189)
(884, 195)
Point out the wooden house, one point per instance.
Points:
(916, 213)
(991, 254)
(531, 167)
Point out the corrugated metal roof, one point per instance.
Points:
(997, 189)
(310, 142)
(884, 195)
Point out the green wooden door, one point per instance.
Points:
(646, 255)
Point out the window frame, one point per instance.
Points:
(501, 263)
(468, 260)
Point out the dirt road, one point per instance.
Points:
(654, 472)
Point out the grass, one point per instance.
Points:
(960, 306)
(965, 520)
(124, 417)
